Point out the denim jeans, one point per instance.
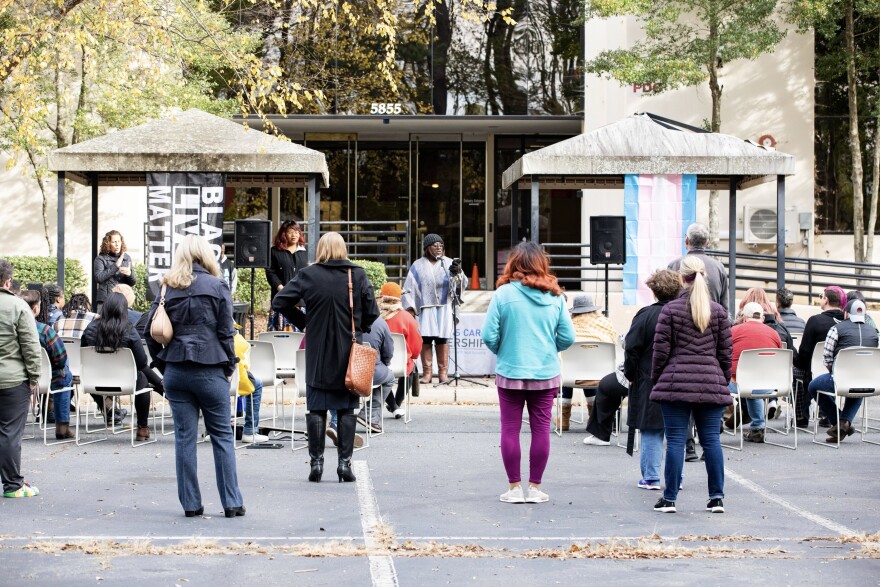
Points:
(252, 406)
(61, 402)
(755, 407)
(651, 454)
(676, 418)
(828, 405)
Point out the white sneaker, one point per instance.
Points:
(592, 440)
(514, 495)
(399, 413)
(536, 495)
(254, 438)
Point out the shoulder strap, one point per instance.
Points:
(351, 307)
(162, 294)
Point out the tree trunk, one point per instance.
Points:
(443, 30)
(875, 185)
(715, 89)
(855, 147)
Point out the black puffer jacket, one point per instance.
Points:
(689, 365)
(643, 413)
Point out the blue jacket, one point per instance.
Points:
(201, 316)
(526, 329)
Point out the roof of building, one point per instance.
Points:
(190, 141)
(647, 144)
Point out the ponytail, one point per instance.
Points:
(693, 271)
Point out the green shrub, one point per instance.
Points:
(141, 303)
(29, 269)
(375, 272)
(261, 289)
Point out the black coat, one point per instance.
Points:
(283, 266)
(815, 331)
(107, 275)
(201, 316)
(323, 289)
(644, 414)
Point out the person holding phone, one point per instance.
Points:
(112, 266)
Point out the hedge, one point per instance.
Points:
(27, 269)
(375, 272)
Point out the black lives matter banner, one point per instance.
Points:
(179, 204)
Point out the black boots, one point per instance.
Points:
(316, 425)
(345, 448)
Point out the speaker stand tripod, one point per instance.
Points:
(251, 306)
(455, 291)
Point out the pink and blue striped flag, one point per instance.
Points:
(658, 209)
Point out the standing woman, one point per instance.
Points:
(323, 288)
(288, 255)
(431, 289)
(112, 266)
(527, 326)
(197, 366)
(113, 331)
(691, 368)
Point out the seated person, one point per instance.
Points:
(114, 331)
(589, 324)
(851, 332)
(61, 377)
(784, 300)
(154, 378)
(128, 292)
(857, 295)
(752, 333)
(400, 322)
(56, 303)
(248, 385)
(77, 314)
(379, 337)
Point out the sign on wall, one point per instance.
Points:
(179, 204)
(473, 356)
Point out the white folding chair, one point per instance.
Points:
(817, 367)
(796, 339)
(856, 374)
(44, 392)
(263, 368)
(398, 367)
(286, 344)
(111, 374)
(765, 369)
(591, 360)
(299, 389)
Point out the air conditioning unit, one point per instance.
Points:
(759, 225)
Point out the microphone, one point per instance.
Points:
(403, 292)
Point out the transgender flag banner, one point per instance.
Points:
(658, 209)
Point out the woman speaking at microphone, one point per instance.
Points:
(431, 288)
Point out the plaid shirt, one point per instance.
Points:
(50, 341)
(75, 325)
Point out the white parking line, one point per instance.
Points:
(815, 518)
(382, 568)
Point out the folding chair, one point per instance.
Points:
(796, 339)
(583, 360)
(44, 392)
(765, 369)
(398, 367)
(263, 368)
(286, 344)
(299, 388)
(72, 346)
(165, 406)
(112, 374)
(856, 374)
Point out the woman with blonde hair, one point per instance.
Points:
(691, 368)
(197, 366)
(323, 288)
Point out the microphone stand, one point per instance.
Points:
(455, 292)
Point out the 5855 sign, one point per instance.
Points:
(386, 108)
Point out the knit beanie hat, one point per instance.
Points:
(391, 289)
(430, 239)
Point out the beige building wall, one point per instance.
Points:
(773, 95)
(21, 224)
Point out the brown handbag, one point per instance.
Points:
(361, 360)
(160, 326)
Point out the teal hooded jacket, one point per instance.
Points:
(526, 329)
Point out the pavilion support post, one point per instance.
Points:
(59, 271)
(514, 213)
(534, 236)
(731, 247)
(93, 180)
(780, 231)
(314, 219)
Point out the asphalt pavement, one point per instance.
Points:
(425, 511)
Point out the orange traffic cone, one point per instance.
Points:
(475, 278)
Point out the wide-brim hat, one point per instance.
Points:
(583, 304)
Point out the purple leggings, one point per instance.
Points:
(540, 406)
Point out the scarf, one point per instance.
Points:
(389, 306)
